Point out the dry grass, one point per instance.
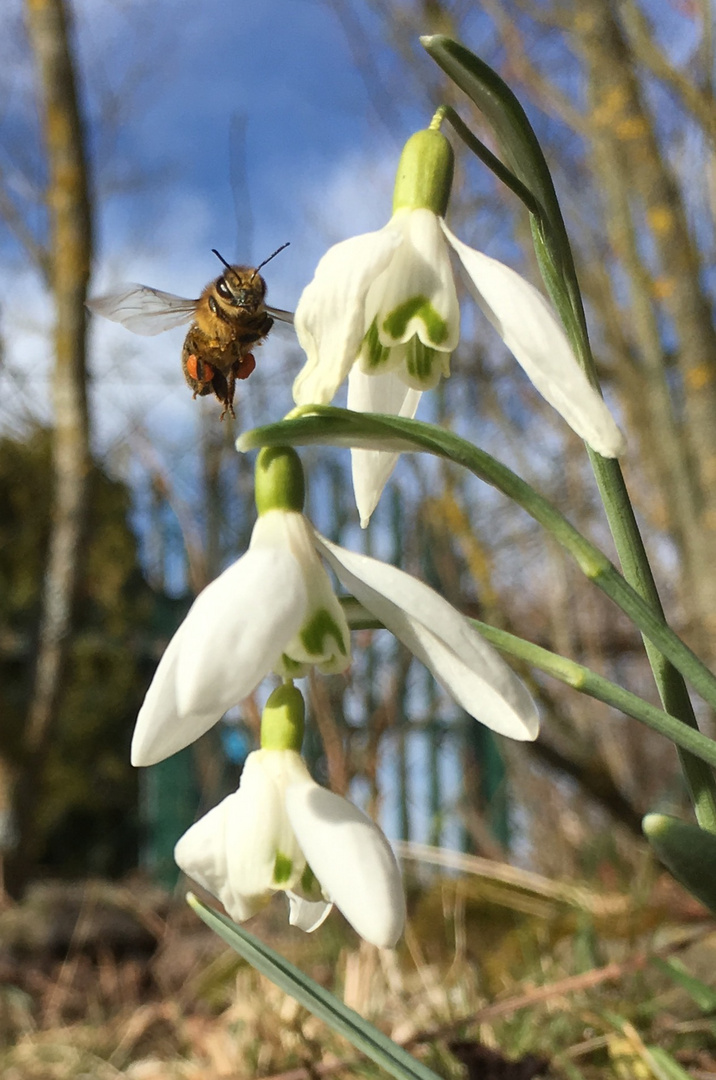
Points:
(518, 967)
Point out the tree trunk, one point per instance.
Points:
(70, 254)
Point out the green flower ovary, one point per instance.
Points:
(316, 635)
(395, 324)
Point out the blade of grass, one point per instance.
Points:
(345, 1021)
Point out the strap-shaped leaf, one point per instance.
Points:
(345, 1021)
(687, 851)
(523, 154)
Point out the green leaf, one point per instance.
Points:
(503, 112)
(522, 152)
(703, 995)
(664, 1066)
(346, 1022)
(687, 851)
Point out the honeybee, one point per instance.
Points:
(227, 321)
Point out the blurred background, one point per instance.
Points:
(135, 138)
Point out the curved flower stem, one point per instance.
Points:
(493, 163)
(331, 426)
(576, 675)
(564, 289)
(588, 682)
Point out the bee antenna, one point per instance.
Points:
(222, 259)
(272, 256)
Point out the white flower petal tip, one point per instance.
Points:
(231, 638)
(352, 860)
(371, 469)
(307, 915)
(468, 668)
(532, 332)
(329, 317)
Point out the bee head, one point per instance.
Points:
(243, 286)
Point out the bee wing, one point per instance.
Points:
(143, 310)
(282, 316)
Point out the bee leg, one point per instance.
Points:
(228, 398)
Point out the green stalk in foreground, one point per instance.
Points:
(340, 427)
(326, 1006)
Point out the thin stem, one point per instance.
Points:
(596, 686)
(493, 163)
(571, 673)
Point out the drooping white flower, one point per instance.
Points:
(275, 610)
(277, 826)
(382, 310)
(281, 831)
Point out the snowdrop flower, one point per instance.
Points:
(275, 610)
(382, 309)
(281, 831)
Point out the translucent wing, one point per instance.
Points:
(282, 316)
(143, 310)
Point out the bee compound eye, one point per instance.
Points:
(223, 289)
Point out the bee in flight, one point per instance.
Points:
(227, 321)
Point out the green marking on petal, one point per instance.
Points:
(316, 635)
(419, 361)
(373, 352)
(308, 879)
(282, 869)
(419, 307)
(309, 885)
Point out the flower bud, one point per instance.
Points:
(279, 480)
(424, 176)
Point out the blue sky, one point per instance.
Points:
(163, 84)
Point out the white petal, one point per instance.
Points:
(203, 853)
(469, 669)
(159, 710)
(307, 915)
(239, 626)
(232, 637)
(420, 268)
(232, 850)
(330, 315)
(385, 393)
(352, 860)
(531, 331)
